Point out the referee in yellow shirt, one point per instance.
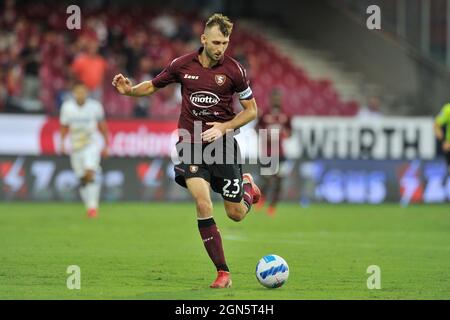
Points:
(441, 120)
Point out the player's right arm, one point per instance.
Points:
(124, 86)
(167, 76)
(443, 118)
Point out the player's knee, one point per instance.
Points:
(204, 207)
(235, 214)
(89, 176)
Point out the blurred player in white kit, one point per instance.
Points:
(80, 118)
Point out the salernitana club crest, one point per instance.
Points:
(193, 169)
(220, 79)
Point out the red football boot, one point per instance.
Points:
(92, 213)
(223, 280)
(261, 203)
(271, 211)
(247, 178)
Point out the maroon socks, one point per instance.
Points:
(248, 195)
(213, 242)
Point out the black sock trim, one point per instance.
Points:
(222, 267)
(248, 205)
(204, 223)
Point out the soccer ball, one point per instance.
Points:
(272, 271)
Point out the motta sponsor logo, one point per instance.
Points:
(204, 99)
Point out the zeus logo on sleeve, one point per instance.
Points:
(188, 76)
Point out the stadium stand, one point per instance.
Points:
(139, 44)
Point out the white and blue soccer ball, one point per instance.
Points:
(272, 271)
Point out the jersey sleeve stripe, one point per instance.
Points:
(238, 66)
(173, 61)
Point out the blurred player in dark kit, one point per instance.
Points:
(278, 126)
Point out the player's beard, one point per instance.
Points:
(212, 56)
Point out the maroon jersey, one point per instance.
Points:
(275, 121)
(207, 93)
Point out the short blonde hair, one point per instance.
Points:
(224, 23)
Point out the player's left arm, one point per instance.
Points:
(219, 129)
(248, 103)
(103, 128)
(64, 128)
(64, 131)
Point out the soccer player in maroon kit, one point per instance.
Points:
(208, 79)
(274, 119)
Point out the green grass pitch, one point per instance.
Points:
(154, 251)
